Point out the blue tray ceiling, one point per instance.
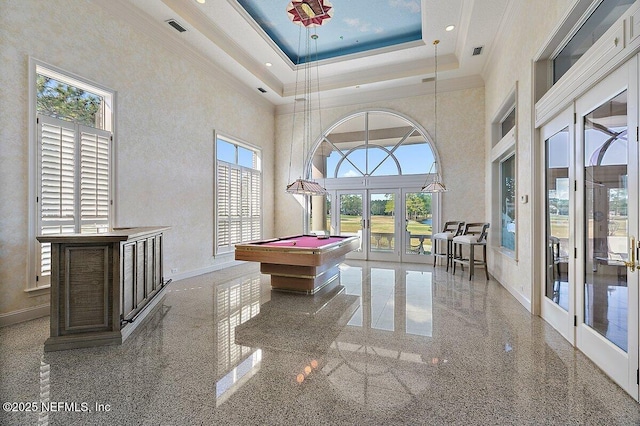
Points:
(356, 26)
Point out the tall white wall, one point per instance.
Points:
(167, 110)
(525, 32)
(460, 144)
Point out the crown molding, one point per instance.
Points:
(508, 18)
(258, 29)
(465, 22)
(139, 20)
(417, 68)
(410, 90)
(198, 20)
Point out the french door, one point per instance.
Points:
(558, 293)
(607, 231)
(372, 215)
(393, 224)
(592, 225)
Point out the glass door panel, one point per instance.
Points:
(351, 220)
(606, 220)
(320, 214)
(557, 218)
(418, 223)
(558, 240)
(382, 226)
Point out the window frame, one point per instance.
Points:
(580, 23)
(504, 147)
(508, 156)
(600, 59)
(390, 154)
(33, 286)
(238, 143)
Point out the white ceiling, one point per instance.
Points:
(222, 36)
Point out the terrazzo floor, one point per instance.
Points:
(384, 344)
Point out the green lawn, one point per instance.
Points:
(382, 224)
(560, 226)
(385, 225)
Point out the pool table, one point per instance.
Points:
(303, 263)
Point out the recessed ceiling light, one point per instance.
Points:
(268, 64)
(201, 1)
(450, 28)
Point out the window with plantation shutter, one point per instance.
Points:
(238, 195)
(70, 154)
(74, 183)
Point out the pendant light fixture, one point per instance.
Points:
(307, 14)
(436, 184)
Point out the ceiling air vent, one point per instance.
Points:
(477, 50)
(262, 90)
(175, 25)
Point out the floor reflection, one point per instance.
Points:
(605, 304)
(559, 293)
(606, 311)
(387, 343)
(235, 303)
(398, 299)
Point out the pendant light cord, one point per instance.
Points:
(320, 128)
(435, 98)
(435, 107)
(295, 104)
(307, 131)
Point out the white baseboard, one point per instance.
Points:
(519, 296)
(23, 315)
(202, 271)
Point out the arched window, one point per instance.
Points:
(372, 143)
(373, 164)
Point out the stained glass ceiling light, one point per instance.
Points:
(307, 14)
(436, 184)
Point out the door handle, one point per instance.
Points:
(631, 264)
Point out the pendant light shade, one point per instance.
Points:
(306, 187)
(436, 184)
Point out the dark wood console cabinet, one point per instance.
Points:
(103, 285)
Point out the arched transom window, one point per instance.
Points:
(372, 143)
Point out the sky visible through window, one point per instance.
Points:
(235, 154)
(413, 159)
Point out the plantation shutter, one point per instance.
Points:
(94, 179)
(73, 189)
(246, 204)
(57, 195)
(239, 212)
(224, 228)
(256, 206)
(235, 201)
